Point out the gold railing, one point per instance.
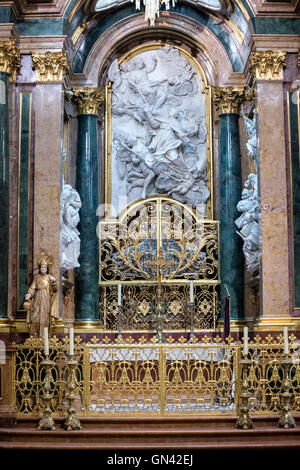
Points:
(150, 378)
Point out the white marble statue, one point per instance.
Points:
(70, 203)
(252, 143)
(249, 225)
(158, 128)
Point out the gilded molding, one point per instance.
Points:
(9, 58)
(267, 65)
(88, 99)
(229, 99)
(50, 66)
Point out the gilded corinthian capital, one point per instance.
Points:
(229, 99)
(9, 57)
(88, 99)
(50, 66)
(267, 65)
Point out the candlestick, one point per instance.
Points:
(286, 420)
(71, 341)
(244, 421)
(286, 340)
(245, 341)
(119, 294)
(71, 422)
(46, 342)
(191, 292)
(47, 421)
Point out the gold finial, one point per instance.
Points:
(9, 58)
(229, 99)
(267, 65)
(88, 99)
(50, 66)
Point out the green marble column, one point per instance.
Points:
(87, 275)
(232, 262)
(4, 192)
(232, 258)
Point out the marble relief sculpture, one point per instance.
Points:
(41, 300)
(249, 225)
(70, 203)
(158, 128)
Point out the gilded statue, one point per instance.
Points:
(41, 300)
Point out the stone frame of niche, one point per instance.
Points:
(207, 90)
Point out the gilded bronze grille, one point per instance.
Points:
(141, 377)
(131, 245)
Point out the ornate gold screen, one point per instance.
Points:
(159, 240)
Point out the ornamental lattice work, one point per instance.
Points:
(159, 228)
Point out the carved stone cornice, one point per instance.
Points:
(229, 99)
(50, 66)
(88, 99)
(9, 58)
(267, 65)
(39, 9)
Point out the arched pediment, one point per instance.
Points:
(216, 51)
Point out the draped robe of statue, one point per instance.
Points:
(44, 309)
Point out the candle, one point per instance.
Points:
(245, 341)
(71, 341)
(227, 318)
(119, 294)
(286, 340)
(191, 292)
(46, 342)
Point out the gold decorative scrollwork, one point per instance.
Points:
(138, 312)
(129, 245)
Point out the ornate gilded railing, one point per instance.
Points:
(187, 246)
(150, 378)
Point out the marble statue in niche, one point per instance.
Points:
(249, 221)
(249, 224)
(158, 128)
(252, 142)
(70, 204)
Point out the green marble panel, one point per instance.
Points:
(6, 15)
(295, 186)
(24, 193)
(4, 193)
(232, 261)
(276, 25)
(41, 27)
(87, 275)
